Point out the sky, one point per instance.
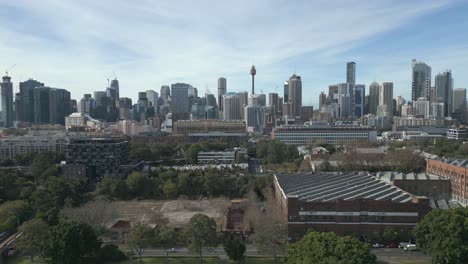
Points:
(78, 45)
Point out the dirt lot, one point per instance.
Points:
(174, 212)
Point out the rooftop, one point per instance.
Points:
(390, 176)
(455, 162)
(331, 186)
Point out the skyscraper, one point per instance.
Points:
(59, 105)
(421, 107)
(86, 104)
(444, 90)
(179, 98)
(295, 94)
(421, 80)
(257, 99)
(273, 101)
(244, 101)
(359, 101)
(346, 99)
(386, 93)
(6, 87)
(459, 100)
(286, 92)
(114, 85)
(232, 107)
(351, 72)
(42, 105)
(165, 93)
(26, 107)
(152, 98)
(222, 89)
(374, 97)
(322, 99)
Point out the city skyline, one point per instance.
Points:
(45, 45)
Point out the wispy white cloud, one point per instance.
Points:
(78, 44)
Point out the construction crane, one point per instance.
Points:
(7, 70)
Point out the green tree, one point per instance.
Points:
(35, 232)
(139, 185)
(11, 184)
(201, 232)
(235, 250)
(390, 235)
(110, 253)
(71, 243)
(270, 234)
(169, 189)
(41, 163)
(140, 237)
(192, 152)
(329, 248)
(444, 235)
(140, 152)
(12, 213)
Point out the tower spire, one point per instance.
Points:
(253, 71)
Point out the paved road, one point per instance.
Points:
(218, 251)
(396, 255)
(390, 255)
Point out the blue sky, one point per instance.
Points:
(77, 45)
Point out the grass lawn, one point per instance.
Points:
(162, 260)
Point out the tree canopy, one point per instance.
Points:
(71, 243)
(201, 232)
(444, 235)
(140, 237)
(328, 248)
(235, 250)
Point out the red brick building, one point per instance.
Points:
(456, 171)
(354, 204)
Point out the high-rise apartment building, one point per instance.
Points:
(26, 107)
(374, 97)
(179, 98)
(6, 87)
(359, 100)
(232, 106)
(295, 94)
(421, 80)
(351, 72)
(222, 89)
(444, 90)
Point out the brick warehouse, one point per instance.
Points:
(456, 171)
(354, 204)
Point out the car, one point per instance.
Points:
(391, 245)
(402, 245)
(377, 245)
(171, 250)
(411, 247)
